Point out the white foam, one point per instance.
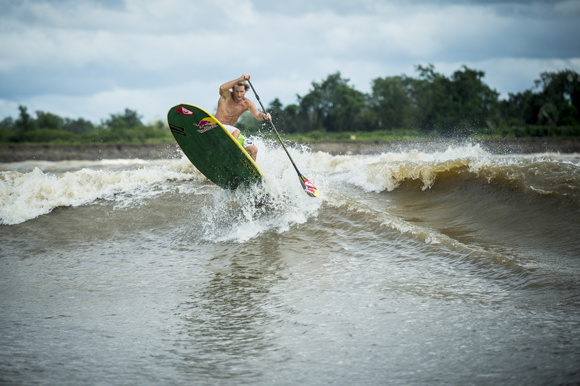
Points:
(25, 196)
(386, 171)
(276, 205)
(234, 216)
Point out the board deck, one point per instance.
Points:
(211, 148)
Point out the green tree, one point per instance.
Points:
(290, 122)
(24, 122)
(568, 116)
(78, 126)
(556, 102)
(513, 109)
(8, 124)
(478, 103)
(285, 118)
(48, 121)
(560, 97)
(390, 103)
(454, 105)
(331, 105)
(7, 130)
(275, 107)
(127, 120)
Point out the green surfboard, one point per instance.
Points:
(211, 148)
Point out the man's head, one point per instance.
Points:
(239, 90)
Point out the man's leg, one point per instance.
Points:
(252, 151)
(233, 131)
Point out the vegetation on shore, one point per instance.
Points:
(430, 106)
(48, 128)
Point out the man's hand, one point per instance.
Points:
(266, 116)
(246, 77)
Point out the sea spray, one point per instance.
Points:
(24, 196)
(247, 212)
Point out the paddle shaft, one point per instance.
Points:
(274, 127)
(306, 185)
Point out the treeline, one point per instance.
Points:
(46, 127)
(429, 105)
(433, 104)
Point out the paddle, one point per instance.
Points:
(306, 185)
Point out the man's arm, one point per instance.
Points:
(258, 115)
(225, 88)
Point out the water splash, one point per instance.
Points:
(24, 196)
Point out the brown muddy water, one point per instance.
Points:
(414, 267)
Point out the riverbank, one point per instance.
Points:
(17, 153)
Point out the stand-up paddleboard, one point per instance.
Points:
(211, 148)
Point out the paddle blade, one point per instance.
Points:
(308, 186)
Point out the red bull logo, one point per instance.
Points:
(309, 184)
(205, 125)
(184, 111)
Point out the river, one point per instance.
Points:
(415, 267)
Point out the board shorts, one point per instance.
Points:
(241, 140)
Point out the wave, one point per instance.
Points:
(514, 212)
(521, 210)
(34, 188)
(456, 187)
(24, 196)
(543, 174)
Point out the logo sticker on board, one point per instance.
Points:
(183, 111)
(206, 124)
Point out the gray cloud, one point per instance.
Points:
(82, 51)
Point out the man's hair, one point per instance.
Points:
(246, 85)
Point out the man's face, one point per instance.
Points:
(239, 92)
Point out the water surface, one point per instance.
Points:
(417, 267)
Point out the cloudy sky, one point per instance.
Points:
(91, 58)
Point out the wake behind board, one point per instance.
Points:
(211, 148)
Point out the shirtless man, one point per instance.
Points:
(232, 104)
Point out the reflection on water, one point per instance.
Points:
(224, 328)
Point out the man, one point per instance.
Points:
(232, 104)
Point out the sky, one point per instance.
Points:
(92, 58)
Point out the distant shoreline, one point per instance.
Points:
(18, 153)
